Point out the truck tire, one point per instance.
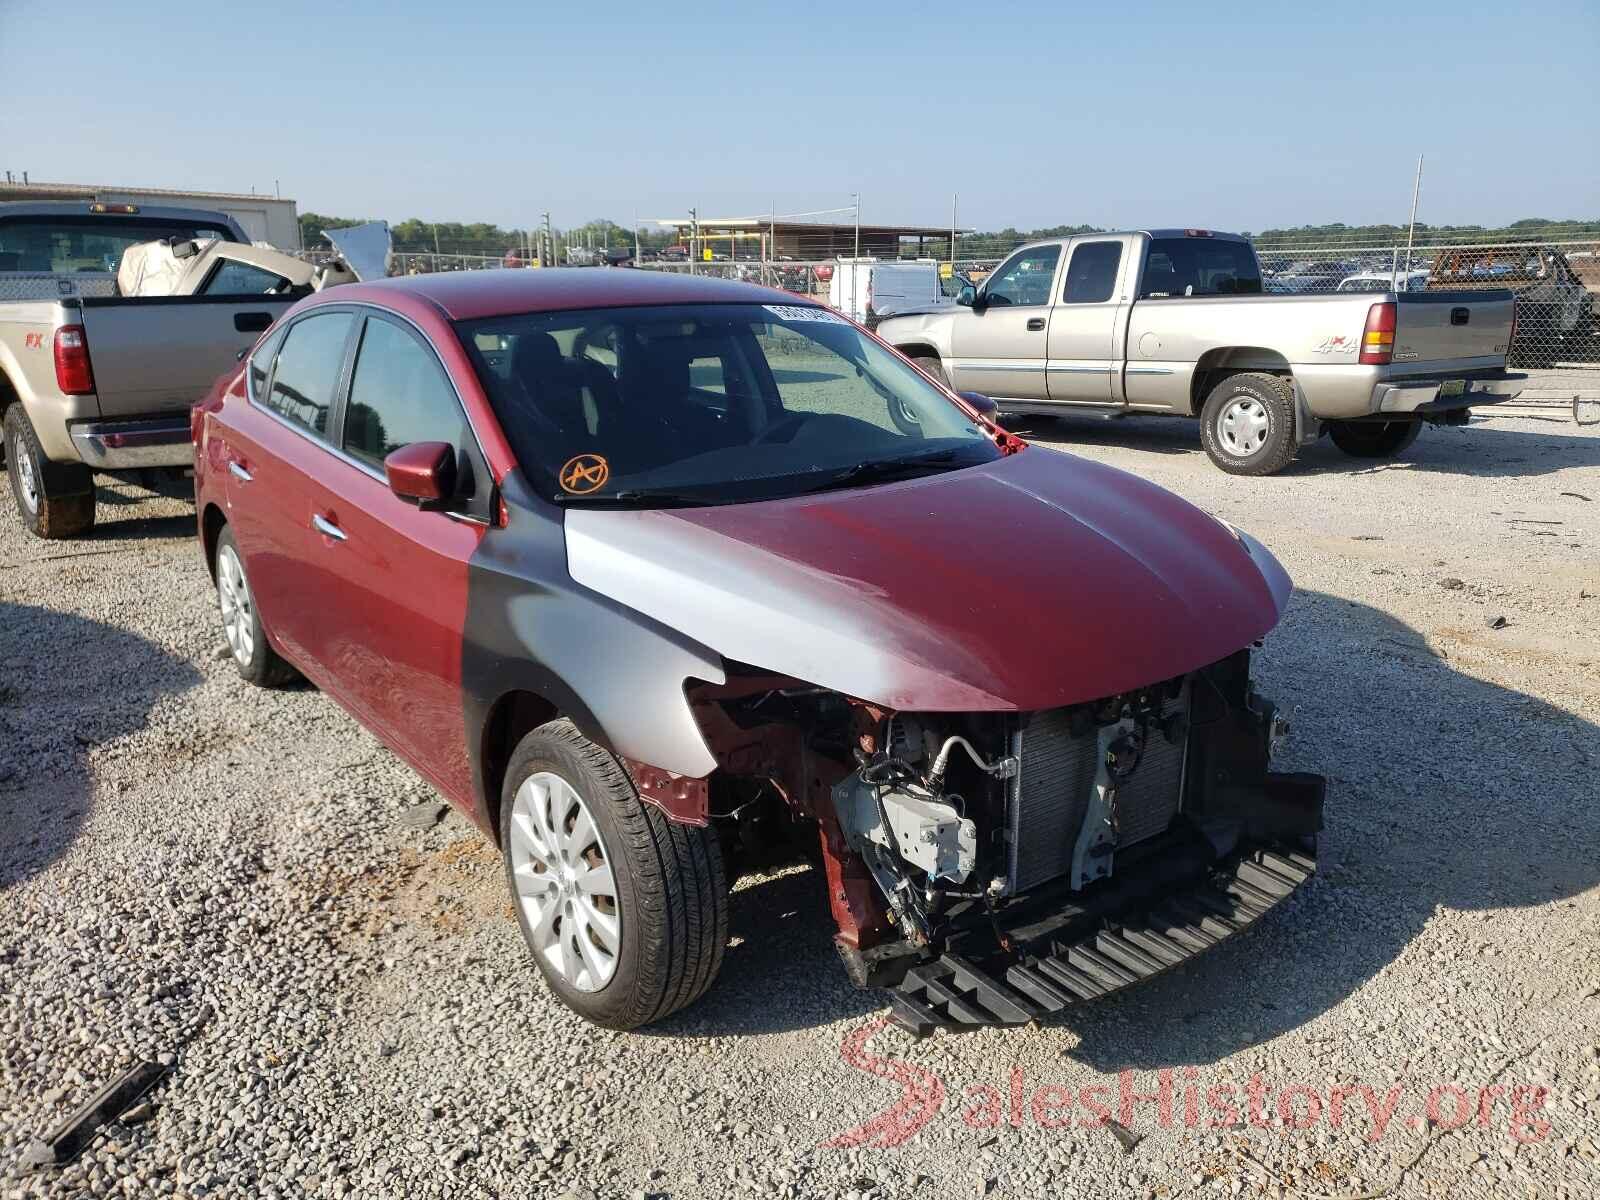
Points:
(55, 500)
(624, 911)
(1373, 439)
(930, 366)
(1247, 424)
(253, 654)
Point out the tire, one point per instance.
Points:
(54, 500)
(1374, 439)
(930, 366)
(253, 654)
(654, 943)
(1247, 424)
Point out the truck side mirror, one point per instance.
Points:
(985, 405)
(967, 297)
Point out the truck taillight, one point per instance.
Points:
(1377, 339)
(74, 376)
(1511, 338)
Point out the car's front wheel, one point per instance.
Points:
(1373, 439)
(625, 912)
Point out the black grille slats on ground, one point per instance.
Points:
(952, 993)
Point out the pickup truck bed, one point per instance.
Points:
(95, 382)
(1174, 321)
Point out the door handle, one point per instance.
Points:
(1035, 324)
(239, 471)
(251, 322)
(322, 525)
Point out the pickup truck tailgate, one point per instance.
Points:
(157, 354)
(1453, 330)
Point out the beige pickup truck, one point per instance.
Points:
(1174, 321)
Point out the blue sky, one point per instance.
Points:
(1231, 116)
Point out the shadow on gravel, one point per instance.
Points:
(781, 972)
(1444, 791)
(67, 684)
(1481, 450)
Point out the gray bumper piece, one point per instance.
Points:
(1424, 396)
(125, 445)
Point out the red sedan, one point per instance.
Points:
(656, 577)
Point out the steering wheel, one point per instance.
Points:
(770, 434)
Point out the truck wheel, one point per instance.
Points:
(257, 661)
(930, 366)
(626, 912)
(1247, 424)
(1373, 439)
(55, 500)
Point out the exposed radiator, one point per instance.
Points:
(1048, 797)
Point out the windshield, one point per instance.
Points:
(74, 245)
(709, 404)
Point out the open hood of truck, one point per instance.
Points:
(1027, 583)
(366, 249)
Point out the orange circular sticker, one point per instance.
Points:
(585, 473)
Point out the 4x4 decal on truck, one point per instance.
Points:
(1337, 343)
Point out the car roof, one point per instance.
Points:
(467, 295)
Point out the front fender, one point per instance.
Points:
(932, 330)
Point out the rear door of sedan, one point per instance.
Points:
(393, 577)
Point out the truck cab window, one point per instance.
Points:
(1092, 273)
(1193, 266)
(1024, 278)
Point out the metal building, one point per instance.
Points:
(270, 219)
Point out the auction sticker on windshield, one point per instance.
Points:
(794, 312)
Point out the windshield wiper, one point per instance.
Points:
(645, 497)
(884, 470)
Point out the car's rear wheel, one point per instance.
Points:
(1373, 439)
(624, 911)
(257, 661)
(55, 500)
(1247, 424)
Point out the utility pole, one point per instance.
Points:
(955, 200)
(855, 198)
(547, 252)
(1411, 233)
(694, 239)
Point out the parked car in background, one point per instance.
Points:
(1385, 281)
(867, 290)
(1310, 276)
(91, 381)
(1555, 315)
(1174, 321)
(645, 652)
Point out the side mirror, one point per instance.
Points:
(985, 406)
(423, 473)
(967, 297)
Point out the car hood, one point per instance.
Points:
(1037, 580)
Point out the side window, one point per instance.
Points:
(307, 374)
(243, 279)
(1092, 272)
(398, 395)
(261, 364)
(1024, 278)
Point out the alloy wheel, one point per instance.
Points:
(564, 882)
(233, 595)
(1243, 425)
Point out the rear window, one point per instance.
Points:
(81, 245)
(1199, 267)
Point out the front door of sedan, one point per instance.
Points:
(392, 613)
(999, 345)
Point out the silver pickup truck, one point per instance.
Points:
(1174, 321)
(91, 381)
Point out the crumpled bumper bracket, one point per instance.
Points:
(952, 993)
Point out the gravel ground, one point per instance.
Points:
(173, 844)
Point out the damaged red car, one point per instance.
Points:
(657, 577)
